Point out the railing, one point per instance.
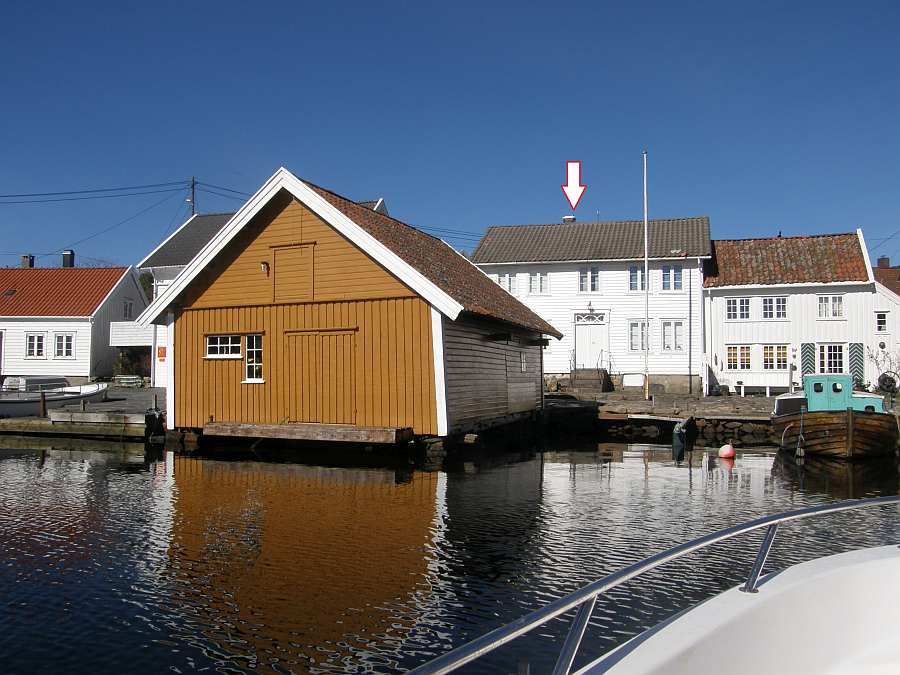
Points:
(585, 598)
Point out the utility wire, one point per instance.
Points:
(111, 227)
(224, 189)
(220, 194)
(74, 199)
(80, 192)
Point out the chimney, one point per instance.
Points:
(28, 261)
(68, 258)
(568, 219)
(884, 261)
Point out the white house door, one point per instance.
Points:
(591, 340)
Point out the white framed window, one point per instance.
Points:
(731, 309)
(671, 278)
(539, 283)
(223, 346)
(881, 322)
(743, 308)
(638, 338)
(253, 361)
(775, 357)
(523, 364)
(737, 308)
(831, 306)
(34, 346)
(64, 346)
(831, 358)
(589, 280)
(775, 308)
(673, 335)
(128, 309)
(509, 282)
(738, 357)
(636, 281)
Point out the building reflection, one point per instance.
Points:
(837, 479)
(298, 565)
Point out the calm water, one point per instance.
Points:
(112, 562)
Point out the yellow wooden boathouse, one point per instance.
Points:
(309, 315)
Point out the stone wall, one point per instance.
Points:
(712, 432)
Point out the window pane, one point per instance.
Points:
(837, 305)
(595, 279)
(679, 336)
(768, 310)
(823, 307)
(676, 282)
(582, 280)
(666, 282)
(780, 308)
(745, 308)
(745, 358)
(632, 279)
(732, 358)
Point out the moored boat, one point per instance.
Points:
(829, 419)
(28, 403)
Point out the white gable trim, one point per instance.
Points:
(284, 179)
(165, 241)
(112, 290)
(440, 385)
(865, 252)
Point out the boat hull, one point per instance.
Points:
(844, 434)
(29, 404)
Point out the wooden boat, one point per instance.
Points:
(838, 480)
(28, 403)
(829, 419)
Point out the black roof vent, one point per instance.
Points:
(9, 292)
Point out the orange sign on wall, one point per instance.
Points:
(161, 353)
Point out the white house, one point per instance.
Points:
(586, 279)
(55, 321)
(780, 307)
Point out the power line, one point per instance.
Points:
(74, 199)
(79, 192)
(220, 194)
(111, 227)
(224, 189)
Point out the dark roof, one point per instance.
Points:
(55, 291)
(823, 258)
(440, 264)
(187, 241)
(369, 203)
(888, 276)
(609, 240)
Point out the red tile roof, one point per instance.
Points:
(888, 276)
(440, 264)
(55, 291)
(823, 259)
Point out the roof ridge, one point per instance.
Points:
(602, 222)
(791, 236)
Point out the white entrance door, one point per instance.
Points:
(591, 340)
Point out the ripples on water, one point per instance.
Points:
(111, 562)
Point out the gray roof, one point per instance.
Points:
(187, 241)
(609, 240)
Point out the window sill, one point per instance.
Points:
(36, 358)
(63, 358)
(224, 357)
(831, 318)
(253, 381)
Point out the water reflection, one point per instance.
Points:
(115, 559)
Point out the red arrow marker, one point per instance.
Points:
(573, 189)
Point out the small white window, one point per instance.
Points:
(768, 308)
(837, 306)
(64, 346)
(744, 308)
(673, 335)
(589, 280)
(34, 346)
(523, 364)
(128, 309)
(254, 359)
(538, 283)
(738, 357)
(508, 282)
(223, 346)
(881, 322)
(636, 279)
(831, 306)
(731, 308)
(671, 278)
(637, 336)
(781, 308)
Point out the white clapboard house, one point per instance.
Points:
(54, 322)
(587, 280)
(781, 307)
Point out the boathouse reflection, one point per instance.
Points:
(297, 565)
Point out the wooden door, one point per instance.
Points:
(320, 369)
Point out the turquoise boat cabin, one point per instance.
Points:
(828, 393)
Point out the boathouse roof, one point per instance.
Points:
(596, 240)
(809, 259)
(426, 264)
(56, 291)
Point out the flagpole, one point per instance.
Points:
(646, 289)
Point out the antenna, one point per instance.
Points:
(192, 200)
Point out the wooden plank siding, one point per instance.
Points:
(344, 341)
(484, 378)
(385, 333)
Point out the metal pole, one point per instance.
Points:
(193, 195)
(646, 290)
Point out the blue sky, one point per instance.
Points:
(761, 116)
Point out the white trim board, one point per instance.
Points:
(865, 252)
(285, 180)
(440, 386)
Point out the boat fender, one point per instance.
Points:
(726, 451)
